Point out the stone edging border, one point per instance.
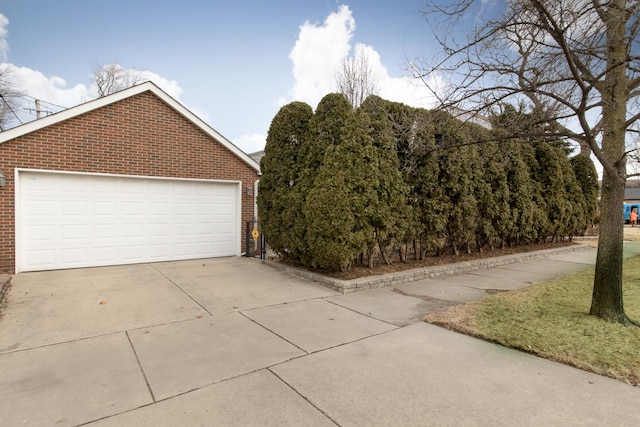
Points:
(397, 278)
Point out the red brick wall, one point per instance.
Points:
(140, 135)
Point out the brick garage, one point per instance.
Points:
(141, 133)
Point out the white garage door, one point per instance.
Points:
(79, 220)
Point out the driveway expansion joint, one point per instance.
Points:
(144, 375)
(181, 290)
(275, 333)
(303, 397)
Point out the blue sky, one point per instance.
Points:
(234, 63)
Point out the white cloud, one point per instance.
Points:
(52, 89)
(55, 90)
(251, 143)
(172, 87)
(4, 31)
(404, 89)
(318, 56)
(130, 76)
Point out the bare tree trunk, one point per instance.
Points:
(385, 257)
(403, 253)
(417, 250)
(607, 302)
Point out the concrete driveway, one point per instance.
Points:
(235, 342)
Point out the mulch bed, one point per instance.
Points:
(357, 271)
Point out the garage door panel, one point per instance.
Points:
(182, 249)
(159, 229)
(106, 230)
(41, 259)
(159, 208)
(205, 228)
(34, 184)
(203, 209)
(104, 187)
(132, 208)
(224, 247)
(72, 256)
(131, 229)
(203, 247)
(103, 255)
(159, 188)
(77, 220)
(225, 229)
(183, 229)
(73, 207)
(107, 208)
(73, 232)
(67, 184)
(40, 233)
(133, 186)
(39, 208)
(130, 253)
(182, 208)
(160, 251)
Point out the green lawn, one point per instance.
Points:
(551, 320)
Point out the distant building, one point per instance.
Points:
(632, 191)
(257, 156)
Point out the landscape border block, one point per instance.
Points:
(400, 277)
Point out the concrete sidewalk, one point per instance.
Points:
(236, 342)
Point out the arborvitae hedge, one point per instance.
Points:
(587, 177)
(280, 194)
(340, 186)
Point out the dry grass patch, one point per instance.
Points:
(551, 320)
(631, 233)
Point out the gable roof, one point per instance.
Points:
(257, 156)
(119, 96)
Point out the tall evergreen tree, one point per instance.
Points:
(390, 218)
(279, 192)
(587, 177)
(548, 173)
(577, 219)
(458, 163)
(492, 194)
(330, 221)
(344, 198)
(326, 127)
(429, 201)
(413, 137)
(527, 215)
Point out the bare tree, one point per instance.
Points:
(356, 80)
(110, 78)
(10, 99)
(576, 64)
